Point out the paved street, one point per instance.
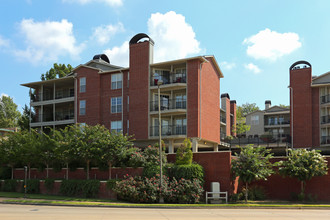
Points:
(27, 212)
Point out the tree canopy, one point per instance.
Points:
(245, 109)
(252, 164)
(9, 114)
(303, 165)
(57, 71)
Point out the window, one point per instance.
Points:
(128, 103)
(180, 126)
(82, 107)
(82, 83)
(116, 81)
(127, 126)
(180, 101)
(116, 126)
(180, 75)
(255, 119)
(115, 104)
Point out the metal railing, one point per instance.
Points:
(48, 117)
(277, 123)
(223, 119)
(167, 80)
(285, 140)
(49, 96)
(325, 139)
(325, 99)
(325, 119)
(169, 130)
(168, 104)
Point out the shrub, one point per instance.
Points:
(184, 154)
(146, 190)
(9, 185)
(49, 184)
(71, 187)
(189, 172)
(86, 188)
(32, 186)
(5, 172)
(111, 184)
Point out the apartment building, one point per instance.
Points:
(126, 99)
(310, 106)
(227, 117)
(272, 121)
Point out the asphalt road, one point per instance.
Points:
(27, 212)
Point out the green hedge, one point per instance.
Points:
(49, 184)
(32, 186)
(85, 188)
(188, 172)
(9, 185)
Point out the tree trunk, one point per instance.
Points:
(88, 169)
(12, 172)
(67, 171)
(246, 192)
(47, 166)
(109, 164)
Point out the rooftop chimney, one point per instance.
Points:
(268, 104)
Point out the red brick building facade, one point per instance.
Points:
(126, 99)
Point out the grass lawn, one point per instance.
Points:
(12, 197)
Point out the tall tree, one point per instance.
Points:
(57, 71)
(245, 109)
(9, 114)
(303, 165)
(252, 164)
(115, 148)
(24, 120)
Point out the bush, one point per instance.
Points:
(85, 188)
(49, 184)
(254, 193)
(32, 186)
(9, 185)
(111, 184)
(189, 172)
(184, 154)
(5, 172)
(146, 190)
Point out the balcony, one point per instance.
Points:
(169, 83)
(325, 99)
(48, 119)
(223, 119)
(277, 123)
(169, 106)
(48, 96)
(325, 140)
(325, 119)
(168, 130)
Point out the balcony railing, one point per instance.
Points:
(168, 104)
(325, 99)
(325, 119)
(49, 96)
(267, 123)
(50, 117)
(153, 82)
(325, 140)
(169, 130)
(223, 119)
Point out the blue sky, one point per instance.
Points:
(254, 41)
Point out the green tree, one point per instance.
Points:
(245, 109)
(184, 155)
(57, 71)
(252, 164)
(284, 106)
(24, 120)
(115, 147)
(9, 114)
(47, 146)
(303, 165)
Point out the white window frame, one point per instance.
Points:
(116, 104)
(255, 120)
(116, 81)
(82, 107)
(116, 126)
(82, 84)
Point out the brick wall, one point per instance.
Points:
(301, 107)
(233, 121)
(139, 89)
(316, 117)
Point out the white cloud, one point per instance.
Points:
(102, 34)
(228, 66)
(174, 37)
(4, 94)
(48, 40)
(3, 42)
(271, 45)
(252, 67)
(112, 3)
(119, 55)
